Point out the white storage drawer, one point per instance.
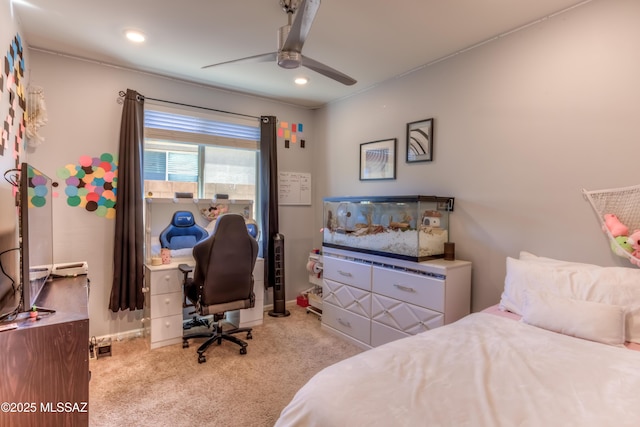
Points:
(405, 317)
(347, 322)
(166, 304)
(164, 328)
(403, 298)
(165, 281)
(416, 289)
(382, 334)
(349, 272)
(352, 299)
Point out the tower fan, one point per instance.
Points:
(279, 309)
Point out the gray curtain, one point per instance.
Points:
(268, 193)
(128, 258)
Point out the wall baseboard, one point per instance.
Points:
(121, 336)
(137, 333)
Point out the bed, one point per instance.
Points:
(559, 349)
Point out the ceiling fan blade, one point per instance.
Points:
(327, 71)
(301, 25)
(265, 57)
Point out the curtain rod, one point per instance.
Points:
(123, 94)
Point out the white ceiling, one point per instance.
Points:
(369, 40)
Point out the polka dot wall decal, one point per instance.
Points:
(37, 190)
(92, 184)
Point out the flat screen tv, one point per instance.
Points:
(36, 233)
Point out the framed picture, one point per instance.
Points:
(378, 160)
(420, 141)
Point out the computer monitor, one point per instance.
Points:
(36, 232)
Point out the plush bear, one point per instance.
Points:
(615, 227)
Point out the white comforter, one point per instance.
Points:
(483, 370)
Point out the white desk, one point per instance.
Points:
(163, 311)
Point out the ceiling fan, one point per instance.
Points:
(291, 38)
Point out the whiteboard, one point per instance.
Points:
(294, 188)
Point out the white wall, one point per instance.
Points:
(9, 27)
(84, 119)
(522, 124)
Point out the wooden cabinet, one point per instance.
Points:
(45, 363)
(163, 306)
(372, 300)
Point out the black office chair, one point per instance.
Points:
(222, 279)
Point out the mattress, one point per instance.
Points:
(505, 373)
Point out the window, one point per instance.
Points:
(201, 155)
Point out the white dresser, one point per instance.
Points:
(372, 300)
(163, 311)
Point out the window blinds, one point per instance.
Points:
(161, 125)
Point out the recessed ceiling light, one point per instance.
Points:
(301, 80)
(134, 36)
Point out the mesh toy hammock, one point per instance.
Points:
(624, 202)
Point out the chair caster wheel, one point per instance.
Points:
(243, 350)
(202, 358)
(249, 336)
(185, 344)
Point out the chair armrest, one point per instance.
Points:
(185, 268)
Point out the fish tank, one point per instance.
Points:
(413, 228)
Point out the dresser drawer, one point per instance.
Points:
(349, 323)
(165, 328)
(382, 334)
(352, 299)
(165, 281)
(416, 289)
(404, 317)
(166, 304)
(349, 272)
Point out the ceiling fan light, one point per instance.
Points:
(301, 81)
(134, 36)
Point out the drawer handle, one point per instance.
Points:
(344, 323)
(167, 300)
(345, 273)
(145, 289)
(167, 277)
(167, 324)
(404, 288)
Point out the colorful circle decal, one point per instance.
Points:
(37, 190)
(92, 184)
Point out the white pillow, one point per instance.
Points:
(528, 256)
(593, 321)
(607, 285)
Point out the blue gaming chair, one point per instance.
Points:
(183, 232)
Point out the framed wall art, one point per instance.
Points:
(420, 141)
(378, 160)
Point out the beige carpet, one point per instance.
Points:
(166, 386)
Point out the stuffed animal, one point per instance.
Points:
(615, 227)
(623, 248)
(634, 241)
